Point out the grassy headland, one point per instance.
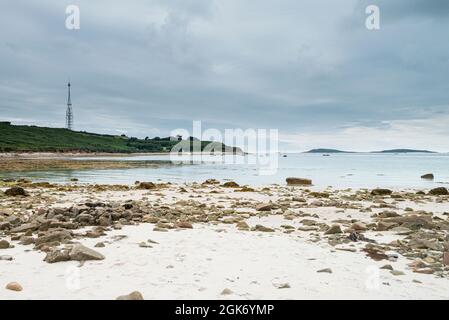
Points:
(41, 139)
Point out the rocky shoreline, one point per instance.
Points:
(43, 164)
(379, 226)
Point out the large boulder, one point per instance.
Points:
(298, 182)
(82, 253)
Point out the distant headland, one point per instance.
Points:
(323, 150)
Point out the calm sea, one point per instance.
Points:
(356, 170)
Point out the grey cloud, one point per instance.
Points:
(147, 67)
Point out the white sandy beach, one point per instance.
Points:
(200, 263)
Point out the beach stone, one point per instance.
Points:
(326, 270)
(6, 258)
(298, 182)
(388, 214)
(55, 255)
(424, 244)
(82, 253)
(14, 286)
(230, 184)
(446, 258)
(282, 285)
(441, 191)
(397, 273)
(359, 226)
(184, 225)
(32, 226)
(385, 226)
(144, 245)
(381, 192)
(387, 267)
(99, 245)
(135, 295)
(424, 271)
(413, 222)
(15, 191)
(4, 244)
(226, 292)
(242, 225)
(26, 240)
(52, 236)
(262, 228)
(428, 176)
(335, 229)
(264, 207)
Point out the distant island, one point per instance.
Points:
(17, 138)
(404, 151)
(327, 151)
(322, 150)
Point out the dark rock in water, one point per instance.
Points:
(298, 182)
(428, 176)
(136, 295)
(15, 191)
(146, 186)
(441, 191)
(381, 192)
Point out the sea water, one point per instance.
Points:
(346, 170)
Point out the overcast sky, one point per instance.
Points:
(308, 68)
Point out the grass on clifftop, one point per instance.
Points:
(40, 139)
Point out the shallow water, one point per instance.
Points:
(357, 170)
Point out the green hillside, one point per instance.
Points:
(40, 139)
